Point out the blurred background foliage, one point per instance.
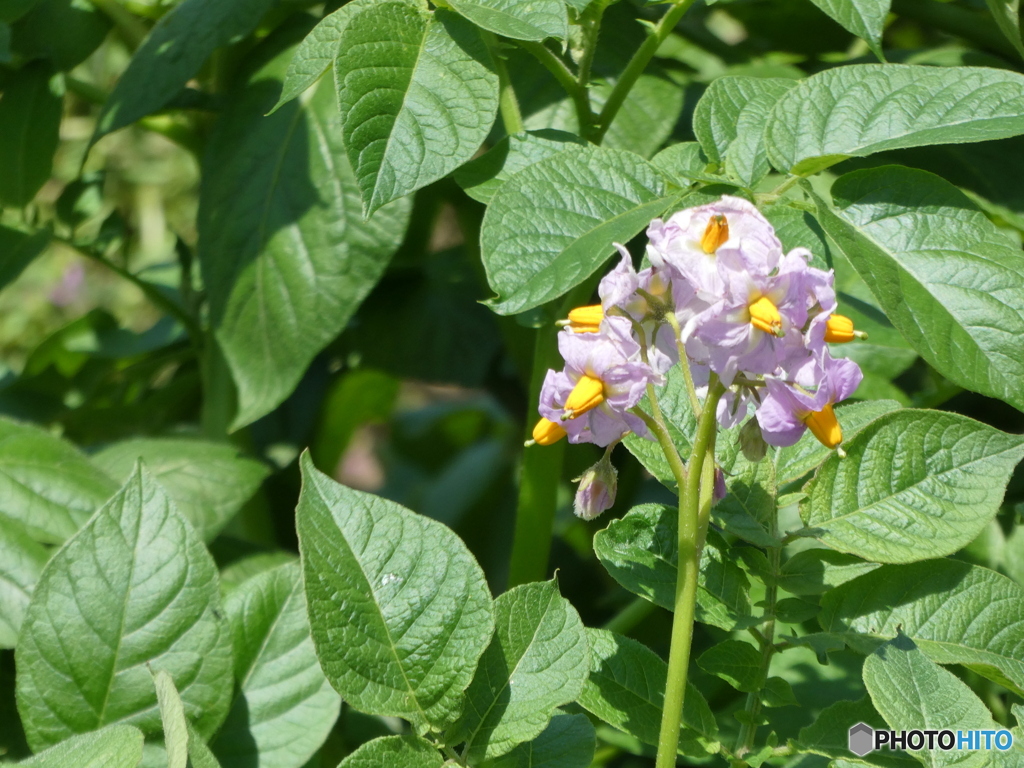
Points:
(422, 398)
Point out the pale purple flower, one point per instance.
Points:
(811, 389)
(676, 244)
(612, 357)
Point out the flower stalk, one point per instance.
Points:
(690, 543)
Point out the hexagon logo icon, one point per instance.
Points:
(862, 739)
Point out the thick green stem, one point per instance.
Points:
(689, 547)
(508, 104)
(637, 65)
(542, 467)
(748, 728)
(593, 31)
(565, 78)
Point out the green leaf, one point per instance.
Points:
(208, 482)
(12, 10)
(864, 18)
(686, 160)
(240, 571)
(948, 279)
(914, 484)
(483, 177)
(21, 562)
(64, 31)
(815, 571)
(286, 254)
(568, 742)
(46, 485)
(285, 707)
(18, 250)
(405, 751)
(116, 746)
(399, 609)
(777, 692)
(537, 661)
(318, 50)
(30, 114)
(173, 53)
(828, 735)
(626, 689)
(797, 460)
(739, 664)
(535, 20)
(749, 506)
(799, 229)
(135, 588)
(639, 550)
(418, 94)
(856, 110)
(912, 692)
(552, 225)
(1007, 16)
(955, 612)
(647, 116)
(172, 715)
(729, 122)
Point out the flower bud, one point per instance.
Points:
(720, 491)
(596, 491)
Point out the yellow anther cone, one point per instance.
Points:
(586, 319)
(825, 427)
(765, 316)
(715, 234)
(547, 432)
(585, 396)
(839, 330)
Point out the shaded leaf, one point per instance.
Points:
(535, 20)
(18, 250)
(208, 482)
(30, 114)
(739, 664)
(406, 751)
(135, 589)
(21, 562)
(864, 18)
(568, 742)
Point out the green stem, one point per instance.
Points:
(151, 291)
(542, 466)
(630, 616)
(593, 30)
(565, 78)
(689, 546)
(657, 426)
(508, 104)
(684, 363)
(748, 729)
(637, 65)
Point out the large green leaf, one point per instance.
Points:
(134, 589)
(856, 110)
(18, 250)
(814, 571)
(535, 20)
(64, 31)
(208, 482)
(418, 94)
(399, 609)
(567, 742)
(552, 225)
(285, 707)
(21, 561)
(914, 485)
(864, 18)
(829, 735)
(913, 693)
(626, 689)
(483, 177)
(537, 661)
(116, 746)
(404, 751)
(956, 613)
(286, 254)
(729, 122)
(947, 278)
(46, 485)
(173, 53)
(640, 552)
(30, 114)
